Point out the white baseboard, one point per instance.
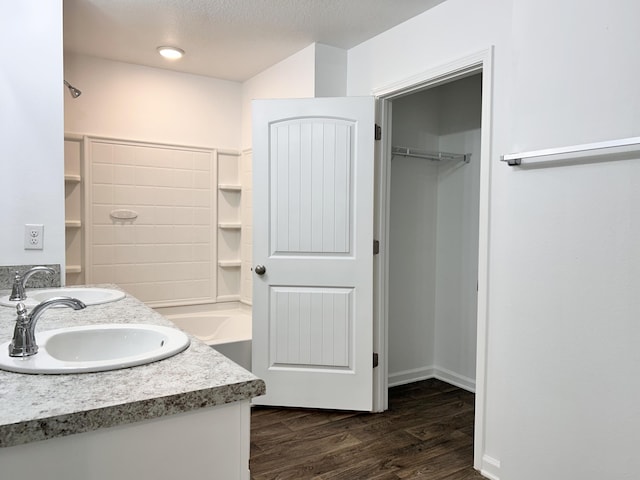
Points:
(410, 376)
(456, 379)
(424, 373)
(490, 468)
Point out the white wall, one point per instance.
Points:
(563, 390)
(134, 102)
(412, 268)
(413, 240)
(31, 148)
(459, 118)
(294, 77)
(316, 71)
(457, 260)
(330, 71)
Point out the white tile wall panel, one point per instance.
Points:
(201, 216)
(102, 173)
(124, 234)
(156, 157)
(124, 174)
(123, 254)
(167, 254)
(202, 163)
(103, 194)
(200, 181)
(126, 195)
(102, 153)
(103, 255)
(102, 274)
(102, 234)
(201, 198)
(202, 253)
(121, 154)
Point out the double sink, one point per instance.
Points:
(91, 348)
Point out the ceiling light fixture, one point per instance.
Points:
(172, 53)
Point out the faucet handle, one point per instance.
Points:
(21, 310)
(17, 290)
(23, 343)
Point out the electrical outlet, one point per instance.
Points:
(33, 237)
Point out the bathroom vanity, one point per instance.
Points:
(184, 416)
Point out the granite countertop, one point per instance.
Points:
(38, 407)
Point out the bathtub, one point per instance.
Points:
(227, 331)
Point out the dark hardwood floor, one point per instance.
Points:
(427, 433)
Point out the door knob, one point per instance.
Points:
(260, 269)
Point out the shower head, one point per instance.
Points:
(75, 93)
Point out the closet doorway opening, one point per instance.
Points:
(433, 234)
(432, 220)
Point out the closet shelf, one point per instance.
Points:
(433, 156)
(229, 187)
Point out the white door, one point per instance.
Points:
(313, 174)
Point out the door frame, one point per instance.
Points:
(479, 62)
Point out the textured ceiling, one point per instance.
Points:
(227, 39)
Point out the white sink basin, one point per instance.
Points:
(88, 295)
(96, 348)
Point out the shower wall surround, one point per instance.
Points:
(153, 213)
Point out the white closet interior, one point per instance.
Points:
(433, 233)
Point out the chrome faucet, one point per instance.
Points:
(19, 282)
(24, 343)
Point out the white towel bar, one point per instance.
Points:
(514, 159)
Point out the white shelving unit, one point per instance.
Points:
(73, 150)
(229, 227)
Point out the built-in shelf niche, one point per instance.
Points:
(73, 158)
(229, 226)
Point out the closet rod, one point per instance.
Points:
(514, 159)
(434, 156)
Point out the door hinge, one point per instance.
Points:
(376, 247)
(378, 132)
(375, 360)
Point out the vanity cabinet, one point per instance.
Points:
(206, 443)
(186, 416)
